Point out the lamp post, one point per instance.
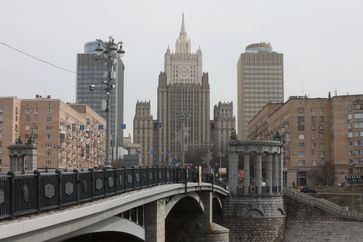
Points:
(108, 52)
(182, 116)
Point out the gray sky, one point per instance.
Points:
(322, 43)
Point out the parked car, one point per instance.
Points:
(307, 190)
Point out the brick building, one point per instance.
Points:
(68, 136)
(323, 137)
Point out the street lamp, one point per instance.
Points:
(108, 52)
(182, 116)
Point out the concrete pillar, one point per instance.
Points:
(259, 173)
(233, 172)
(269, 172)
(275, 172)
(246, 173)
(155, 221)
(207, 199)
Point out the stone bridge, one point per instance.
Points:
(141, 204)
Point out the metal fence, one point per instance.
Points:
(34, 192)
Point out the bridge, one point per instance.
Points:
(135, 204)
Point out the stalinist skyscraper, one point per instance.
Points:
(183, 102)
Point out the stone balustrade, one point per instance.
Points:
(323, 204)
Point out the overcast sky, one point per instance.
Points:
(322, 43)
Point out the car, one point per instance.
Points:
(307, 190)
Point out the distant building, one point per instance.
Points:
(318, 133)
(144, 133)
(91, 71)
(183, 102)
(260, 80)
(68, 136)
(222, 126)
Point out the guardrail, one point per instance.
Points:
(323, 204)
(22, 194)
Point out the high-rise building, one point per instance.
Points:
(68, 136)
(183, 101)
(260, 80)
(222, 126)
(144, 133)
(322, 137)
(93, 71)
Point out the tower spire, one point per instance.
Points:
(182, 30)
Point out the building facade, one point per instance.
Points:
(260, 80)
(68, 136)
(183, 102)
(93, 71)
(323, 137)
(9, 128)
(144, 133)
(222, 126)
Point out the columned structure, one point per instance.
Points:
(257, 195)
(266, 159)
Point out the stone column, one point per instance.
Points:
(155, 221)
(207, 198)
(269, 172)
(275, 172)
(246, 173)
(233, 172)
(259, 173)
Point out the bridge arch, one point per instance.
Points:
(175, 199)
(115, 224)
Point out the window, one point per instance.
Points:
(27, 110)
(313, 153)
(35, 127)
(49, 119)
(312, 110)
(313, 136)
(48, 145)
(49, 109)
(313, 162)
(301, 162)
(49, 136)
(313, 119)
(300, 110)
(48, 152)
(300, 127)
(301, 144)
(321, 110)
(321, 118)
(301, 136)
(300, 119)
(48, 127)
(313, 128)
(301, 154)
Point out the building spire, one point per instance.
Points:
(182, 30)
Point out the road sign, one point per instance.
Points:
(81, 127)
(352, 177)
(158, 125)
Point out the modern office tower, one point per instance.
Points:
(91, 71)
(183, 101)
(322, 137)
(222, 126)
(144, 133)
(260, 80)
(68, 136)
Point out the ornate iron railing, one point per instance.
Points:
(22, 194)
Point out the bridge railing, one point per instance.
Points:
(22, 194)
